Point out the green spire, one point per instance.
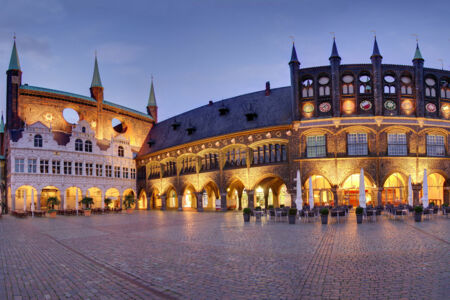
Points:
(96, 81)
(418, 55)
(2, 125)
(152, 98)
(14, 63)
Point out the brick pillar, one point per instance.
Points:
(334, 189)
(416, 187)
(200, 202)
(223, 201)
(251, 199)
(163, 202)
(379, 195)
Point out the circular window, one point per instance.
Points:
(430, 81)
(118, 126)
(71, 116)
(406, 80)
(389, 78)
(430, 107)
(365, 105)
(324, 80)
(308, 108)
(407, 105)
(347, 79)
(364, 78)
(390, 105)
(348, 106)
(325, 107)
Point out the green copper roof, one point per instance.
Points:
(96, 81)
(152, 98)
(2, 125)
(418, 55)
(128, 109)
(14, 63)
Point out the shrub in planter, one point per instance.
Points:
(107, 201)
(359, 214)
(51, 202)
(270, 206)
(324, 215)
(418, 213)
(246, 212)
(291, 215)
(87, 201)
(129, 201)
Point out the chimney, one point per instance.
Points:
(210, 103)
(267, 88)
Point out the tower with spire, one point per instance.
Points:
(335, 62)
(152, 108)
(418, 62)
(96, 85)
(376, 59)
(13, 82)
(294, 66)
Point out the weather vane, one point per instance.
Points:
(292, 38)
(374, 33)
(416, 36)
(333, 34)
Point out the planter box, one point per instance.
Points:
(52, 214)
(359, 219)
(130, 210)
(246, 218)
(418, 217)
(87, 212)
(324, 219)
(291, 219)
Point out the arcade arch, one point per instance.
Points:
(47, 192)
(142, 200)
(24, 195)
(210, 193)
(350, 190)
(269, 188)
(395, 190)
(72, 195)
(322, 194)
(189, 198)
(237, 198)
(96, 194)
(114, 195)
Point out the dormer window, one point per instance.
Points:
(78, 145)
(223, 111)
(251, 116)
(38, 140)
(120, 151)
(88, 146)
(190, 130)
(175, 125)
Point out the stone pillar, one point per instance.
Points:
(251, 199)
(61, 205)
(379, 195)
(200, 202)
(334, 190)
(120, 201)
(163, 202)
(13, 202)
(416, 187)
(38, 197)
(266, 197)
(180, 202)
(447, 195)
(149, 201)
(240, 200)
(223, 201)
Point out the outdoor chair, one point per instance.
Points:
(398, 213)
(426, 214)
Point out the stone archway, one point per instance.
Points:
(142, 200)
(96, 194)
(114, 195)
(24, 196)
(269, 186)
(210, 194)
(71, 196)
(236, 196)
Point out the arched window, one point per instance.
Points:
(235, 157)
(406, 85)
(83, 129)
(307, 88)
(430, 87)
(78, 145)
(120, 151)
(445, 89)
(347, 85)
(88, 146)
(365, 85)
(324, 86)
(389, 84)
(38, 140)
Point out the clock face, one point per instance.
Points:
(325, 107)
(324, 80)
(308, 108)
(365, 105)
(390, 105)
(430, 107)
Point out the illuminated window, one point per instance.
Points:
(78, 145)
(316, 146)
(357, 144)
(397, 145)
(38, 140)
(435, 145)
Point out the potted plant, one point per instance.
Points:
(107, 201)
(291, 215)
(324, 215)
(128, 202)
(87, 201)
(247, 211)
(359, 214)
(51, 202)
(418, 213)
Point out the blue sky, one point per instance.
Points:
(206, 50)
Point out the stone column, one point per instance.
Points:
(379, 195)
(416, 187)
(251, 199)
(180, 202)
(223, 201)
(61, 205)
(239, 200)
(163, 202)
(13, 202)
(38, 204)
(200, 202)
(334, 190)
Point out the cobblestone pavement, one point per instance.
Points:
(189, 255)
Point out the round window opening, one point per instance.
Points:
(389, 78)
(71, 116)
(118, 126)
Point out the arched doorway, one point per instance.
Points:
(350, 190)
(25, 195)
(47, 192)
(129, 192)
(96, 195)
(436, 188)
(114, 195)
(210, 195)
(71, 197)
(268, 189)
(322, 194)
(189, 198)
(235, 196)
(171, 199)
(395, 190)
(142, 200)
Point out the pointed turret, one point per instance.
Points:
(96, 85)
(14, 63)
(334, 51)
(294, 66)
(417, 54)
(152, 108)
(13, 83)
(376, 51)
(294, 58)
(2, 125)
